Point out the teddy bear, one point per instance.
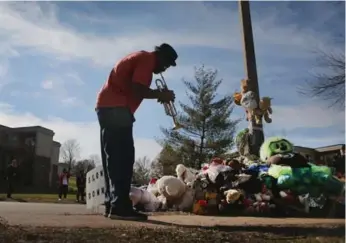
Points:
(171, 190)
(187, 175)
(145, 199)
(246, 98)
(264, 110)
(232, 195)
(152, 187)
(185, 203)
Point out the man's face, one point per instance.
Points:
(161, 64)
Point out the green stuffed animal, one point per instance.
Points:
(273, 146)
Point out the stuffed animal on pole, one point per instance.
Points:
(264, 110)
(248, 99)
(237, 98)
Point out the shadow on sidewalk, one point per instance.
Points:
(291, 230)
(12, 200)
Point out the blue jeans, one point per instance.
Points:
(118, 156)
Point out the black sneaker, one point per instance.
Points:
(131, 216)
(107, 211)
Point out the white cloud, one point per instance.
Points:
(71, 101)
(87, 133)
(75, 78)
(3, 69)
(3, 74)
(315, 142)
(22, 94)
(47, 84)
(29, 25)
(306, 116)
(58, 88)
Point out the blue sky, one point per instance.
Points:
(54, 57)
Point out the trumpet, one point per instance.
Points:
(169, 107)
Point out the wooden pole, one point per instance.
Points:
(256, 130)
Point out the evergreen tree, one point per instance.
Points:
(166, 162)
(141, 171)
(207, 128)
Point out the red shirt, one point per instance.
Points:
(137, 67)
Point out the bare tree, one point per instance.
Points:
(166, 162)
(96, 159)
(70, 151)
(156, 169)
(84, 165)
(328, 83)
(141, 171)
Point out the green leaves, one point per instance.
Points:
(208, 128)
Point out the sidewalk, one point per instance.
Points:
(58, 215)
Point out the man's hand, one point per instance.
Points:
(166, 96)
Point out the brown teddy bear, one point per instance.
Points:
(247, 99)
(244, 87)
(237, 98)
(264, 110)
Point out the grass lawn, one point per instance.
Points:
(44, 198)
(71, 197)
(72, 183)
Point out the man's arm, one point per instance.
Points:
(141, 80)
(144, 92)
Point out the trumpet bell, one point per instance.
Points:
(177, 126)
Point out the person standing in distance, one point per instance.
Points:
(11, 177)
(127, 85)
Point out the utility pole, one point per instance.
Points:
(256, 130)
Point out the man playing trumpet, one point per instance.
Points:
(127, 85)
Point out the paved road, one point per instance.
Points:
(72, 215)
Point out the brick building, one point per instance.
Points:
(37, 154)
(321, 154)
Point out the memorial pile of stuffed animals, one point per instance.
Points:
(281, 182)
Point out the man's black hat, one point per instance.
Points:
(169, 52)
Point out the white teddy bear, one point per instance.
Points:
(187, 175)
(186, 202)
(171, 187)
(173, 192)
(152, 187)
(145, 198)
